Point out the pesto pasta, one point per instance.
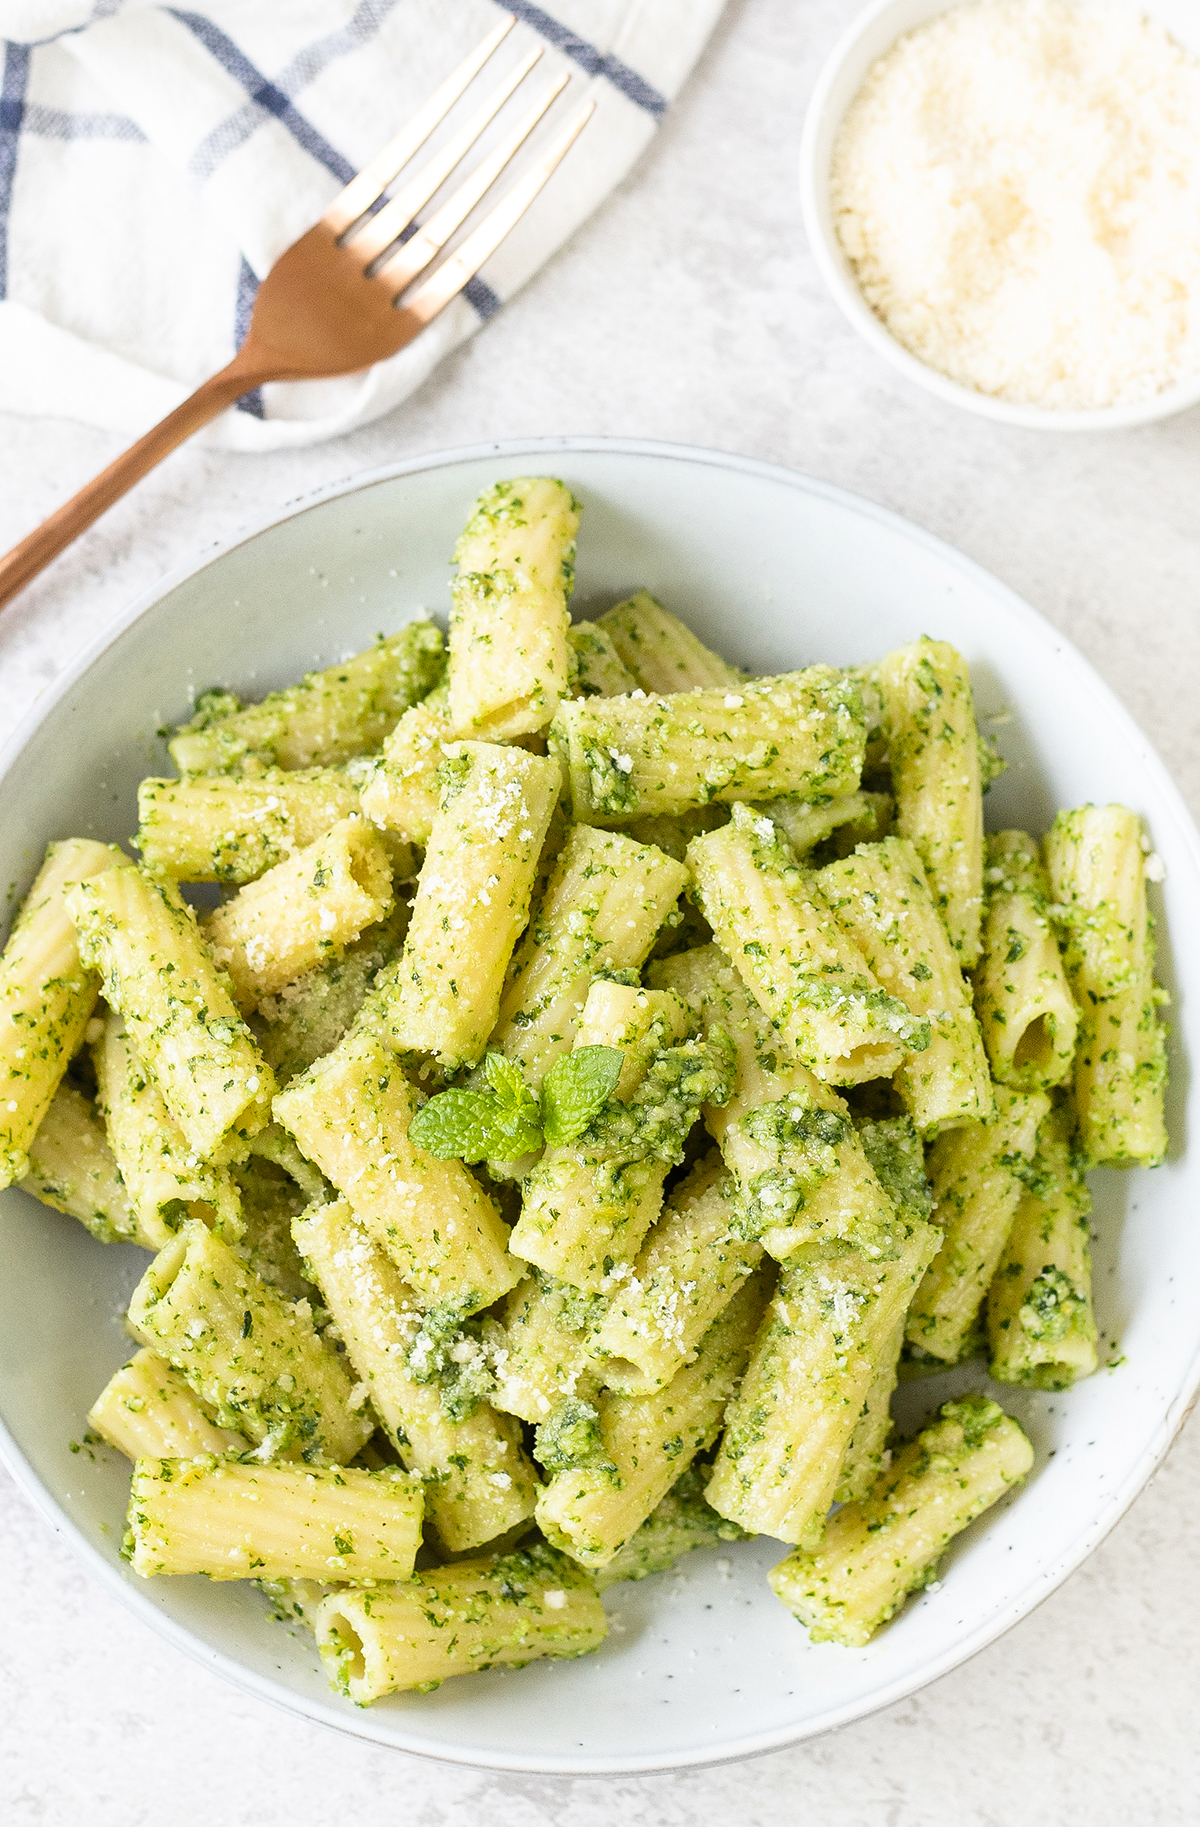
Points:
(565, 1084)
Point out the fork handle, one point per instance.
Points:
(76, 515)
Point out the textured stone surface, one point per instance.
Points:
(690, 310)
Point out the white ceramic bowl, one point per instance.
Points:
(872, 34)
(704, 1664)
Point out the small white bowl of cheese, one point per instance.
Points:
(1015, 252)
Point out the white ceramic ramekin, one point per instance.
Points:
(872, 34)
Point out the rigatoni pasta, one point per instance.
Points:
(880, 895)
(73, 1169)
(509, 659)
(645, 1442)
(216, 828)
(165, 1181)
(1096, 866)
(254, 1359)
(603, 905)
(479, 1481)
(472, 899)
(147, 1410)
(350, 1114)
(235, 1521)
(303, 912)
(880, 1549)
(402, 791)
(803, 1177)
(976, 1183)
(598, 669)
(808, 976)
(933, 743)
(328, 717)
(815, 1358)
(427, 1187)
(661, 652)
(508, 1609)
(47, 995)
(161, 977)
(800, 732)
(692, 1264)
(1040, 1324)
(1028, 1015)
(586, 1206)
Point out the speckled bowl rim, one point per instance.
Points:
(360, 1725)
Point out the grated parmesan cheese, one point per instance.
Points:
(1017, 187)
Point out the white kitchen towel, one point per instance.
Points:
(155, 161)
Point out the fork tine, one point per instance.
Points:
(377, 173)
(436, 292)
(413, 256)
(379, 231)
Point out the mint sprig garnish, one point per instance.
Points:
(575, 1091)
(502, 1120)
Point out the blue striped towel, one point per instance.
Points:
(155, 161)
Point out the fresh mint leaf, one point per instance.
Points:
(507, 1083)
(457, 1125)
(516, 1132)
(576, 1089)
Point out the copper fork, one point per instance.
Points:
(332, 304)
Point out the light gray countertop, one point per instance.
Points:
(688, 310)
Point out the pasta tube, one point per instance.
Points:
(544, 1346)
(350, 1114)
(213, 828)
(586, 1207)
(801, 732)
(177, 1006)
(802, 1174)
(815, 1358)
(274, 1522)
(46, 998)
(253, 1358)
(1097, 874)
(506, 1609)
(402, 791)
(691, 1265)
(1026, 1011)
(591, 1511)
(866, 1453)
(296, 1601)
(929, 715)
(165, 1181)
(296, 915)
(147, 1410)
(602, 907)
(472, 900)
(880, 896)
(509, 659)
(681, 1522)
(852, 818)
(877, 1551)
(1041, 1327)
(310, 1016)
(71, 1167)
(661, 652)
(599, 671)
(808, 976)
(976, 1191)
(478, 1480)
(328, 717)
